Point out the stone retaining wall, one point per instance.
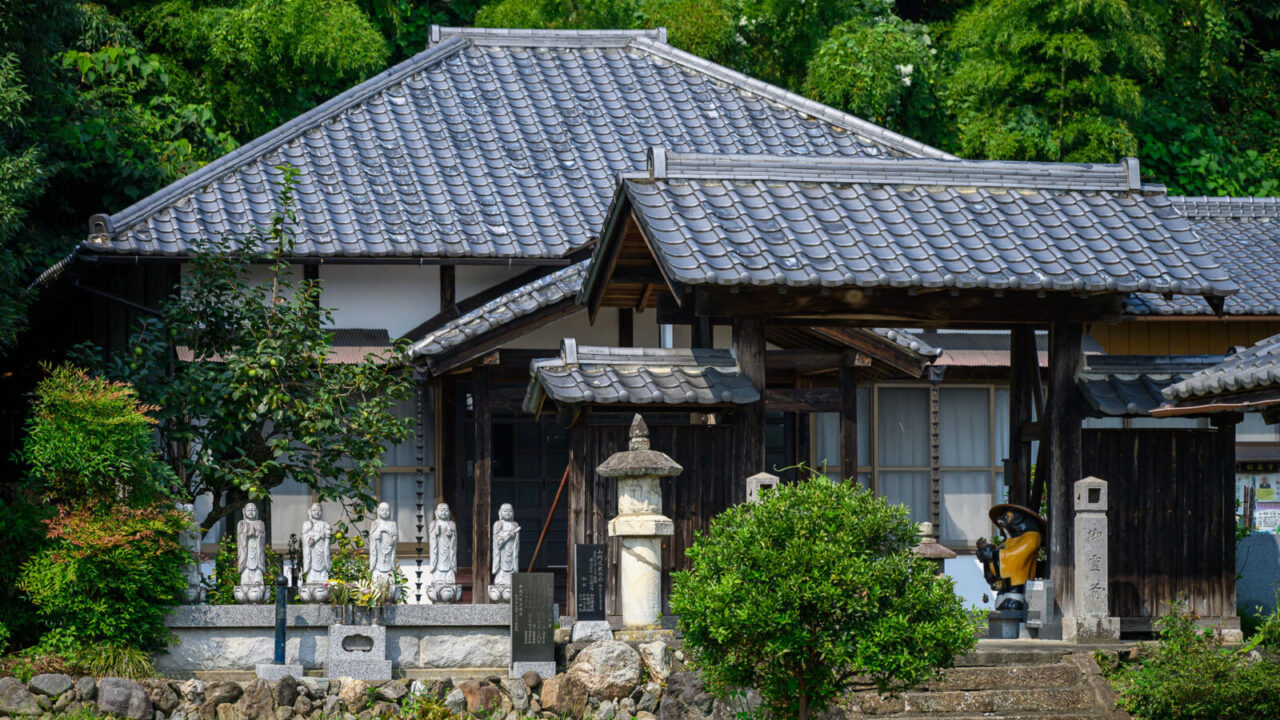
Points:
(238, 637)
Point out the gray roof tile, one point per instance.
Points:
(1132, 385)
(543, 292)
(637, 376)
(1244, 233)
(868, 222)
(489, 144)
(1254, 367)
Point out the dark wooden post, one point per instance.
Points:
(1062, 428)
(483, 470)
(1023, 360)
(626, 327)
(448, 286)
(748, 344)
(848, 419)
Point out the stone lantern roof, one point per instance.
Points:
(638, 459)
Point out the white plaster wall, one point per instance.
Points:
(471, 279)
(395, 297)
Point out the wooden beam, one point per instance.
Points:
(848, 422)
(644, 297)
(878, 348)
(1063, 429)
(483, 476)
(802, 400)
(748, 344)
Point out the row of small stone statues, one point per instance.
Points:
(442, 537)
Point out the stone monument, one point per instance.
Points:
(443, 536)
(190, 541)
(533, 620)
(506, 554)
(758, 483)
(251, 538)
(930, 549)
(589, 586)
(641, 525)
(1090, 618)
(315, 557)
(383, 536)
(358, 651)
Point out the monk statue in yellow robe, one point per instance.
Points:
(1008, 566)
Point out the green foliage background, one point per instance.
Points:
(104, 103)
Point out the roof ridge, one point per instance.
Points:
(798, 102)
(527, 37)
(263, 144)
(1123, 176)
(1204, 206)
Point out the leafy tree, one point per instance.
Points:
(263, 62)
(880, 69)
(90, 439)
(239, 369)
(21, 179)
(1047, 80)
(814, 590)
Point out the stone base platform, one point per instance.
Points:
(644, 635)
(271, 672)
(419, 637)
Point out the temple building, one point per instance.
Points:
(574, 226)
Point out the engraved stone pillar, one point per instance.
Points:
(1092, 602)
(640, 524)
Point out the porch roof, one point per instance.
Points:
(1244, 234)
(863, 223)
(591, 375)
(1133, 385)
(488, 144)
(1254, 370)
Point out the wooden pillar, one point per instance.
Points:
(448, 286)
(626, 327)
(577, 490)
(748, 344)
(848, 419)
(803, 441)
(483, 474)
(700, 332)
(1062, 428)
(1023, 361)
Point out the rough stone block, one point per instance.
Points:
(465, 648)
(591, 630)
(272, 672)
(1086, 629)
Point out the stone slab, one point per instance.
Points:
(359, 669)
(590, 580)
(545, 670)
(533, 617)
(1005, 624)
(1258, 566)
(1090, 629)
(263, 616)
(271, 672)
(591, 630)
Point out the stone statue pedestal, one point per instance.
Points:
(250, 594)
(358, 651)
(314, 593)
(641, 525)
(443, 593)
(500, 593)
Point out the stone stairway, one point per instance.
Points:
(1011, 685)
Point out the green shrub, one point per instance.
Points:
(813, 591)
(91, 439)
(1188, 675)
(21, 536)
(108, 577)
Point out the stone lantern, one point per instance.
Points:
(641, 525)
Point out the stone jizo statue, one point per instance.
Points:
(443, 536)
(506, 553)
(383, 536)
(190, 541)
(251, 560)
(1008, 566)
(316, 563)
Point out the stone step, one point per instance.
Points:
(1072, 701)
(1011, 677)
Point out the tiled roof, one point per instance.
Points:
(1132, 385)
(1254, 367)
(558, 286)
(489, 144)
(637, 376)
(1244, 234)
(867, 222)
(908, 341)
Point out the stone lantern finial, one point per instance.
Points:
(639, 434)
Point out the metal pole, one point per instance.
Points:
(282, 598)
